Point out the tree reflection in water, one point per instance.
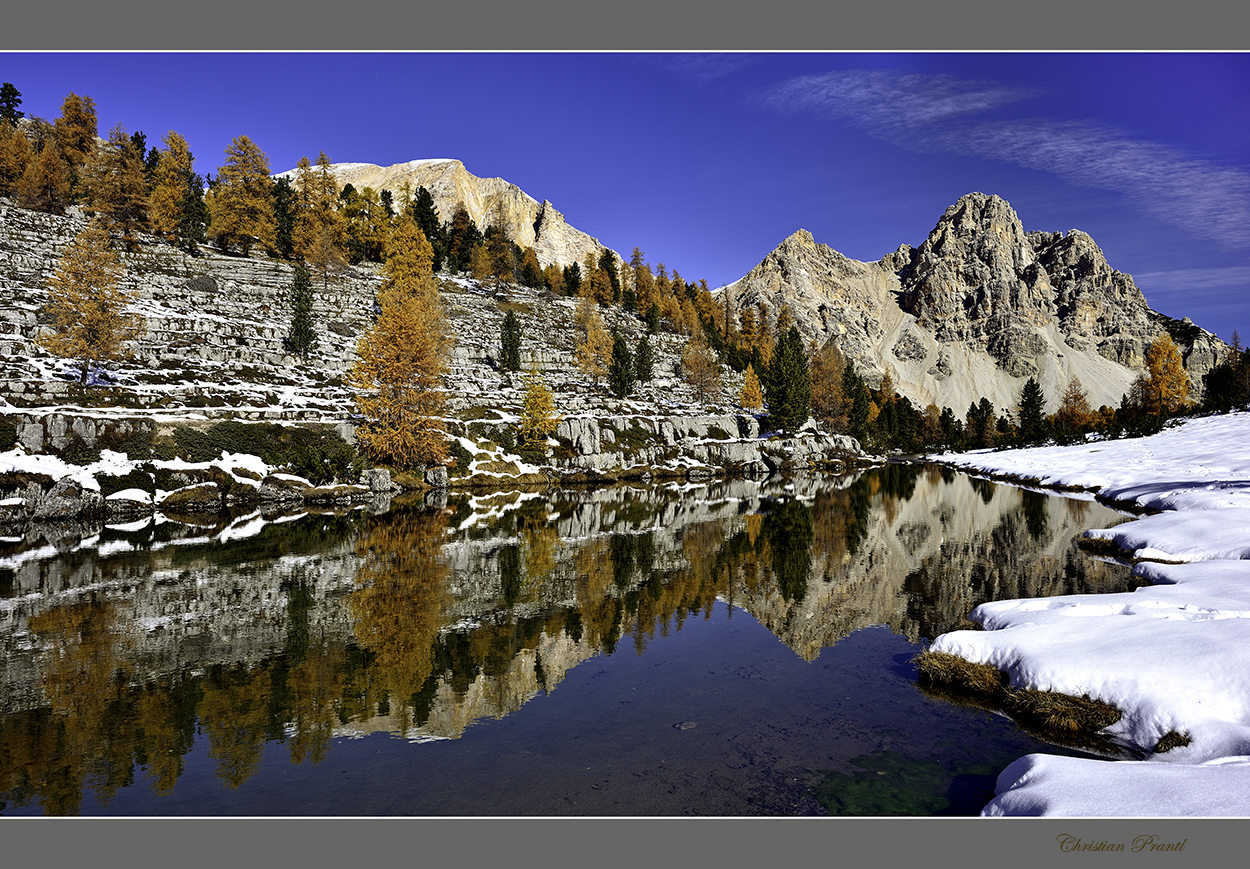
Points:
(537, 586)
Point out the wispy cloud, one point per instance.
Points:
(708, 68)
(942, 114)
(1213, 284)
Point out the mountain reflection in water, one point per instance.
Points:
(137, 658)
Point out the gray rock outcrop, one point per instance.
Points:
(979, 307)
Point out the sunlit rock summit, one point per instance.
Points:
(489, 201)
(978, 308)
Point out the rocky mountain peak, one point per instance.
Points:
(978, 307)
(489, 201)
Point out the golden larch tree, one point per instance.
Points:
(114, 184)
(538, 409)
(1166, 389)
(1074, 415)
(44, 186)
(169, 187)
(828, 367)
(15, 156)
(594, 351)
(241, 204)
(752, 396)
(700, 366)
(402, 358)
(88, 307)
(320, 232)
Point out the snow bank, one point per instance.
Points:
(1174, 656)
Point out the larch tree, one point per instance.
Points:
(114, 184)
(829, 405)
(88, 308)
(176, 208)
(15, 156)
(402, 358)
(700, 367)
(241, 203)
(76, 131)
(1074, 416)
(751, 397)
(1166, 389)
(45, 185)
(538, 409)
(320, 232)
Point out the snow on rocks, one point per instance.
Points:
(1174, 657)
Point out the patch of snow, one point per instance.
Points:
(1174, 656)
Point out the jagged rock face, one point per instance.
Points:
(489, 201)
(977, 308)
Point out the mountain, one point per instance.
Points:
(974, 311)
(530, 223)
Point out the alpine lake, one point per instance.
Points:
(726, 648)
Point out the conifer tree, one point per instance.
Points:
(76, 130)
(751, 397)
(1032, 418)
(621, 369)
(510, 342)
(176, 208)
(242, 200)
(1074, 416)
(286, 203)
(10, 99)
(594, 351)
(425, 213)
(301, 337)
(15, 156)
(643, 360)
(1166, 390)
(402, 358)
(538, 409)
(700, 366)
(45, 185)
(114, 183)
(320, 231)
(87, 305)
(788, 388)
(828, 368)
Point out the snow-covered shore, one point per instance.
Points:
(1173, 656)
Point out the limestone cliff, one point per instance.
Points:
(488, 200)
(979, 307)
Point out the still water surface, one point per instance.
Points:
(732, 648)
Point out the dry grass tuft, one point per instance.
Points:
(1060, 713)
(952, 671)
(1171, 740)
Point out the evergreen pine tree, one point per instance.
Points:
(301, 337)
(643, 361)
(789, 385)
(10, 99)
(510, 342)
(621, 369)
(1032, 418)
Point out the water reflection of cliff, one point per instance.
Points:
(419, 622)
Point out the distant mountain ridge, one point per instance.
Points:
(529, 223)
(974, 311)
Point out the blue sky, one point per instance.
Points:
(707, 161)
